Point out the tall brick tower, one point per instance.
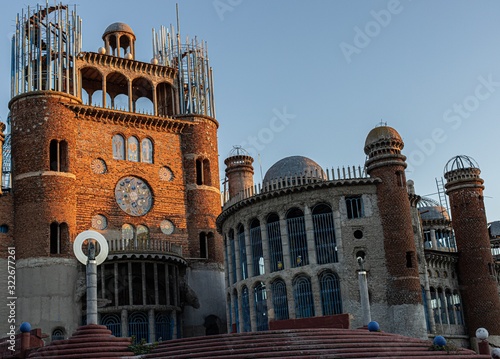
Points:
(103, 141)
(383, 146)
(476, 266)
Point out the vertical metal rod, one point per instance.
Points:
(29, 49)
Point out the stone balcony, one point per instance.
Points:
(143, 246)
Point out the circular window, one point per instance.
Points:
(133, 196)
(358, 234)
(166, 174)
(99, 222)
(167, 226)
(98, 166)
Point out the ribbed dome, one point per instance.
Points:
(433, 213)
(460, 162)
(294, 166)
(118, 27)
(382, 133)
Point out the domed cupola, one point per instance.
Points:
(294, 166)
(119, 40)
(383, 146)
(461, 168)
(430, 210)
(383, 139)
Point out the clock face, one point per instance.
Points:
(133, 196)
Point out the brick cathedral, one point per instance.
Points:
(103, 141)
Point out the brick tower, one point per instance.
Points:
(103, 141)
(383, 146)
(239, 171)
(476, 267)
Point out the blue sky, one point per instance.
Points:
(312, 78)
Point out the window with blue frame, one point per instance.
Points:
(236, 308)
(257, 252)
(331, 300)
(275, 245)
(324, 234)
(280, 300)
(297, 239)
(245, 308)
(261, 307)
(243, 251)
(303, 296)
(138, 327)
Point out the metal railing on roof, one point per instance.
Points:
(338, 174)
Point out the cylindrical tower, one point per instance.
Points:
(383, 146)
(205, 253)
(43, 146)
(239, 171)
(475, 262)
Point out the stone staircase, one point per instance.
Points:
(304, 343)
(89, 341)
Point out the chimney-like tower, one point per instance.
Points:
(476, 266)
(239, 171)
(383, 146)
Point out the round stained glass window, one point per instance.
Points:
(98, 166)
(166, 174)
(167, 226)
(133, 196)
(99, 222)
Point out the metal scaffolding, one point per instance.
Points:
(44, 48)
(195, 77)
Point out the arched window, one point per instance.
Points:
(230, 311)
(297, 238)
(207, 178)
(203, 174)
(58, 156)
(245, 308)
(127, 235)
(303, 296)
(142, 237)
(243, 252)
(132, 149)
(236, 311)
(118, 147)
(457, 304)
(449, 303)
(210, 246)
(331, 300)
(113, 323)
(442, 307)
(58, 237)
(233, 254)
(199, 172)
(324, 234)
(280, 300)
(138, 327)
(275, 246)
(163, 327)
(203, 245)
(434, 305)
(257, 252)
(261, 307)
(147, 151)
(58, 334)
(354, 206)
